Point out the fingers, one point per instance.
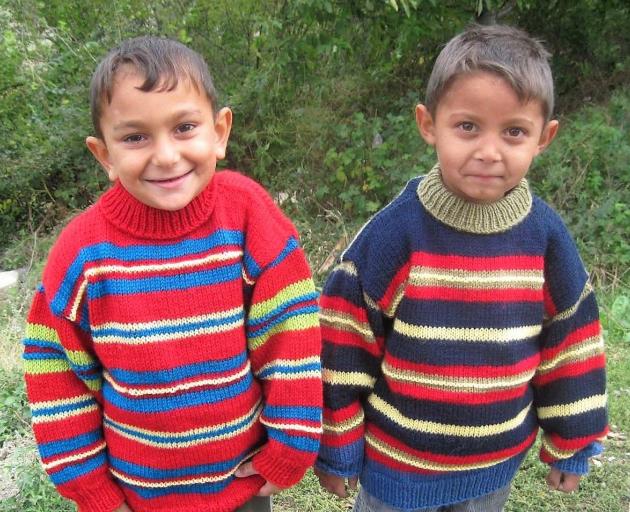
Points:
(268, 489)
(335, 484)
(245, 470)
(352, 483)
(564, 482)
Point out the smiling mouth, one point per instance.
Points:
(167, 181)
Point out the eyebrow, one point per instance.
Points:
(135, 124)
(473, 117)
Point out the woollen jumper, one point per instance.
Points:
(164, 348)
(451, 332)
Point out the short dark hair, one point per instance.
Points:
(161, 61)
(510, 53)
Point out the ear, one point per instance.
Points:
(425, 124)
(222, 128)
(548, 134)
(98, 148)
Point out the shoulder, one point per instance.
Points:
(388, 229)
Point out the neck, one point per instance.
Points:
(478, 218)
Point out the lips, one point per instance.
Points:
(169, 181)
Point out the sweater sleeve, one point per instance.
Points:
(284, 343)
(63, 381)
(353, 332)
(570, 382)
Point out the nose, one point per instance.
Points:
(166, 153)
(488, 149)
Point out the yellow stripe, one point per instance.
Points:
(180, 387)
(348, 378)
(478, 280)
(42, 332)
(77, 300)
(284, 296)
(118, 427)
(573, 409)
(74, 458)
(433, 427)
(295, 324)
(569, 312)
(347, 323)
(450, 382)
(289, 362)
(280, 375)
(64, 415)
(344, 426)
(554, 451)
(157, 338)
(589, 347)
(62, 401)
(182, 481)
(421, 463)
(132, 327)
(347, 267)
(472, 334)
(291, 426)
(160, 267)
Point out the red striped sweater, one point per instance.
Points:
(452, 331)
(163, 349)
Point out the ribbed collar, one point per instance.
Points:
(136, 218)
(478, 218)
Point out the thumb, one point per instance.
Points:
(245, 470)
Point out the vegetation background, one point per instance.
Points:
(323, 94)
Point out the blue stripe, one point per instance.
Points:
(35, 342)
(77, 470)
(289, 369)
(297, 412)
(181, 401)
(168, 329)
(59, 409)
(179, 372)
(209, 488)
(150, 473)
(283, 307)
(71, 444)
(181, 439)
(106, 250)
(303, 444)
(164, 283)
(254, 333)
(251, 267)
(292, 245)
(33, 356)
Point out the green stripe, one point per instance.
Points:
(296, 323)
(292, 291)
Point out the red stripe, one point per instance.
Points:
(341, 415)
(456, 397)
(347, 438)
(550, 307)
(339, 305)
(400, 277)
(574, 445)
(454, 460)
(452, 261)
(573, 338)
(572, 369)
(474, 295)
(465, 371)
(350, 339)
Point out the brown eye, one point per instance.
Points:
(515, 132)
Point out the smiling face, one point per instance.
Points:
(485, 136)
(162, 145)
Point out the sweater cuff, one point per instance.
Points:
(276, 467)
(102, 497)
(578, 463)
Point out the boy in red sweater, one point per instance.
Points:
(172, 349)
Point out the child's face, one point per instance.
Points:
(162, 146)
(484, 136)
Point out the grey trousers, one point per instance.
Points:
(492, 502)
(256, 504)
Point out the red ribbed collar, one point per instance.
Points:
(132, 216)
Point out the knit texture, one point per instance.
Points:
(446, 349)
(163, 349)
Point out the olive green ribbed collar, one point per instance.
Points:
(478, 218)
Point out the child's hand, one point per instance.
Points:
(565, 482)
(123, 508)
(247, 469)
(335, 484)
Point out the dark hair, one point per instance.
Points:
(162, 62)
(506, 51)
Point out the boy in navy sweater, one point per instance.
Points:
(461, 319)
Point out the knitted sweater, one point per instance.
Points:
(452, 331)
(163, 349)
